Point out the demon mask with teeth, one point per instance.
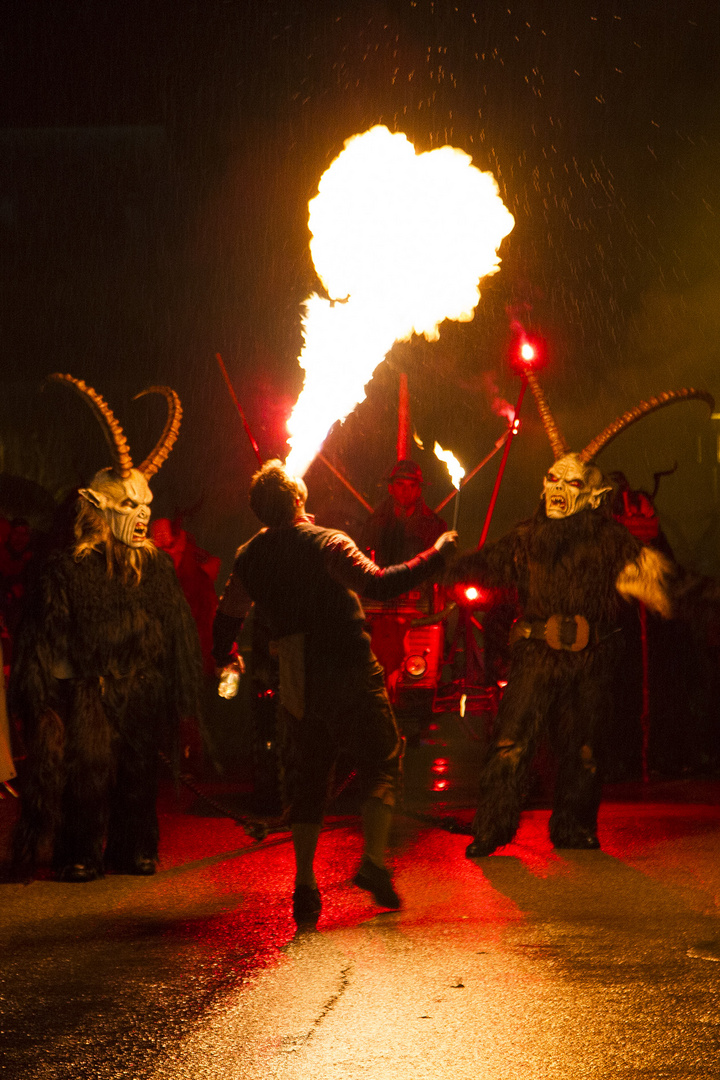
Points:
(125, 504)
(574, 482)
(571, 486)
(121, 494)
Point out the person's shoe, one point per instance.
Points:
(307, 905)
(579, 840)
(79, 872)
(479, 848)
(144, 866)
(377, 880)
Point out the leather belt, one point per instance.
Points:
(570, 632)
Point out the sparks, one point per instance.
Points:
(400, 241)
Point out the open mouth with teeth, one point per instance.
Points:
(140, 531)
(558, 502)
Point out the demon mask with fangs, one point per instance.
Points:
(574, 482)
(121, 494)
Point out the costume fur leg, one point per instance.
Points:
(132, 832)
(577, 735)
(504, 778)
(566, 696)
(89, 771)
(41, 804)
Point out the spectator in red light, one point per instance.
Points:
(674, 674)
(403, 524)
(196, 570)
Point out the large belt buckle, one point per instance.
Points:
(571, 632)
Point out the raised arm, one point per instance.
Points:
(496, 565)
(347, 564)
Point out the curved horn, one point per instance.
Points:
(153, 461)
(114, 436)
(557, 442)
(688, 393)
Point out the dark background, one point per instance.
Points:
(156, 161)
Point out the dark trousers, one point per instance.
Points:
(347, 710)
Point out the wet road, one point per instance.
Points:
(532, 963)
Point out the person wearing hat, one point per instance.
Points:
(403, 524)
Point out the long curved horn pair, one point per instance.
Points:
(114, 435)
(667, 397)
(559, 445)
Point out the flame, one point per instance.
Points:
(453, 465)
(400, 241)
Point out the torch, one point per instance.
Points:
(456, 472)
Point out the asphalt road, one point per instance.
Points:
(529, 964)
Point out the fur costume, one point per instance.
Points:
(567, 568)
(572, 566)
(107, 664)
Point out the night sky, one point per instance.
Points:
(157, 161)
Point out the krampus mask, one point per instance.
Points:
(574, 482)
(120, 493)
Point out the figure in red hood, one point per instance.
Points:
(197, 571)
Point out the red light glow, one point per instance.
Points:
(472, 595)
(529, 353)
(439, 785)
(440, 765)
(527, 349)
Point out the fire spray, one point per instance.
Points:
(400, 240)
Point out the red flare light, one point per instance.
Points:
(472, 596)
(527, 351)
